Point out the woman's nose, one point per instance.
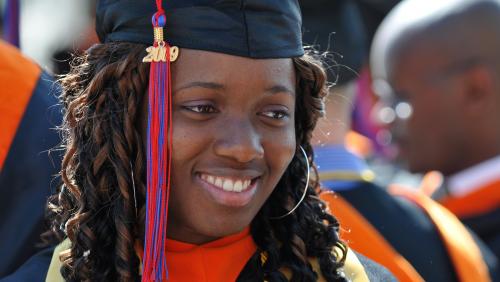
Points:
(239, 140)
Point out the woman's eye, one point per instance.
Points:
(279, 115)
(202, 109)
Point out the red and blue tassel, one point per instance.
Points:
(159, 151)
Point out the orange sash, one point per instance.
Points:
(465, 254)
(365, 239)
(18, 78)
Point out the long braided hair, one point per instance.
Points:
(105, 157)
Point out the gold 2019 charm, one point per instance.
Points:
(159, 53)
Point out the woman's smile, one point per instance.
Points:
(229, 190)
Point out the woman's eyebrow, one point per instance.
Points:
(280, 89)
(201, 84)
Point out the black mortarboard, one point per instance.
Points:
(252, 28)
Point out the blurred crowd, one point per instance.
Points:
(409, 146)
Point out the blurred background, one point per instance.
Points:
(361, 111)
(49, 29)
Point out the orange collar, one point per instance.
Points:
(481, 201)
(219, 260)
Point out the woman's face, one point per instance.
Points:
(233, 138)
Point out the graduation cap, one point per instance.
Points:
(248, 28)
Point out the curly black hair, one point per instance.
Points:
(103, 95)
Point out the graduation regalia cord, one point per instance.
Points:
(159, 150)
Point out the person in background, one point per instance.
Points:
(384, 226)
(28, 117)
(374, 222)
(437, 70)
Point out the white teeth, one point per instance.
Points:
(227, 184)
(218, 182)
(210, 179)
(238, 186)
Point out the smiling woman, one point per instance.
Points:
(241, 126)
(234, 137)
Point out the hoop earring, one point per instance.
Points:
(305, 189)
(133, 187)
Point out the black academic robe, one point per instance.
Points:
(487, 226)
